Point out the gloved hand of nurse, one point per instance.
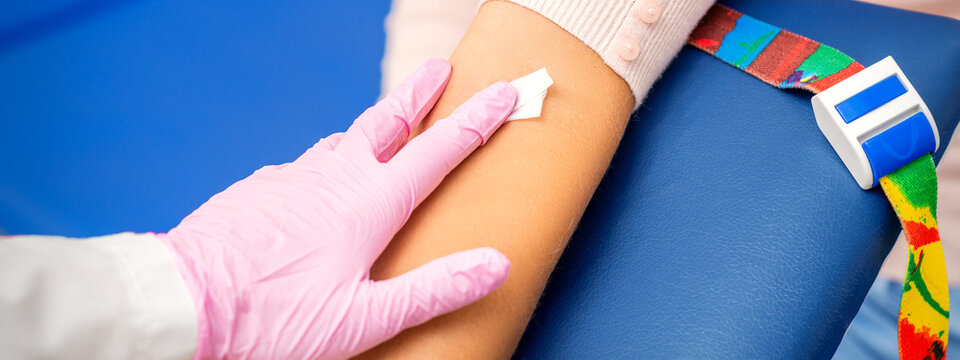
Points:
(278, 263)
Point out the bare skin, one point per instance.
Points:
(523, 192)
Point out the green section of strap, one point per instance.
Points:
(825, 61)
(914, 277)
(918, 183)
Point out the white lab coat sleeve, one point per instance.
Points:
(111, 297)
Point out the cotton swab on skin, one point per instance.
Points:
(531, 91)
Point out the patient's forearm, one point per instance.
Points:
(524, 191)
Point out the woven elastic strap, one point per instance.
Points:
(790, 61)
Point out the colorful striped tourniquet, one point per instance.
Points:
(787, 60)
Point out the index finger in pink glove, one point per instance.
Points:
(433, 154)
(383, 128)
(278, 263)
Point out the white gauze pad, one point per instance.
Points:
(531, 90)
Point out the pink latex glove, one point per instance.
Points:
(279, 262)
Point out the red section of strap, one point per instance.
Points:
(834, 79)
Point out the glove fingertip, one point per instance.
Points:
(493, 269)
(486, 111)
(474, 274)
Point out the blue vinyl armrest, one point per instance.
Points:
(726, 225)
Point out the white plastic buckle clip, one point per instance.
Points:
(876, 122)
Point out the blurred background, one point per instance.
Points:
(950, 8)
(124, 115)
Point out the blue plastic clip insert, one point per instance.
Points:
(899, 145)
(871, 98)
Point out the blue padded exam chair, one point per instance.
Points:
(726, 226)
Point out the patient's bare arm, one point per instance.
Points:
(523, 192)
